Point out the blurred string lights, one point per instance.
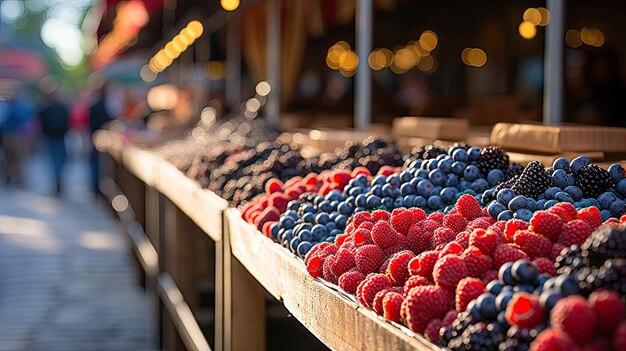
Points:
(229, 5)
(414, 54)
(589, 36)
(531, 19)
(474, 57)
(171, 51)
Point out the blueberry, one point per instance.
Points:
(525, 272)
(379, 180)
(571, 180)
(408, 200)
(549, 298)
(373, 202)
(398, 202)
(334, 195)
(293, 244)
(360, 209)
(341, 221)
(617, 172)
(574, 192)
(437, 177)
(495, 177)
(420, 202)
(460, 155)
(517, 202)
(345, 208)
(360, 200)
(566, 284)
(422, 173)
(531, 204)
(562, 196)
(617, 208)
(394, 180)
(559, 178)
(335, 232)
(274, 230)
(505, 215)
(606, 199)
(330, 239)
(502, 318)
(405, 176)
(487, 306)
(432, 164)
(388, 190)
(471, 173)
(464, 184)
(293, 205)
(445, 165)
(495, 208)
(529, 288)
(331, 225)
(502, 300)
(361, 178)
(407, 189)
(435, 202)
(448, 194)
(523, 214)
(458, 168)
(549, 204)
(308, 209)
(473, 153)
(561, 163)
(474, 311)
(504, 196)
(377, 190)
(551, 192)
(542, 279)
(287, 222)
(356, 191)
(287, 236)
(318, 231)
(539, 205)
(578, 163)
(424, 187)
(304, 248)
(322, 218)
(292, 214)
(605, 214)
(494, 287)
(307, 235)
(505, 274)
(435, 191)
(388, 202)
(480, 185)
(415, 181)
(308, 217)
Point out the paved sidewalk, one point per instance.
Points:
(67, 279)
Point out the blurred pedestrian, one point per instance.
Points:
(13, 138)
(100, 113)
(55, 118)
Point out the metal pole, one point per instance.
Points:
(553, 64)
(233, 62)
(362, 101)
(273, 54)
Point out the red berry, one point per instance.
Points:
(556, 251)
(450, 317)
(402, 221)
(418, 214)
(381, 215)
(429, 225)
(467, 290)
(500, 225)
(565, 216)
(423, 264)
(368, 258)
(552, 340)
(360, 170)
(273, 185)
(545, 266)
(513, 226)
(507, 253)
(468, 206)
(436, 217)
(418, 239)
(377, 303)
(591, 215)
(463, 238)
(534, 245)
(425, 303)
(344, 261)
(361, 217)
(609, 308)
(572, 316)
(569, 209)
(442, 235)
(546, 224)
(448, 271)
(477, 263)
(485, 240)
(489, 276)
(384, 235)
(390, 251)
(413, 281)
(366, 225)
(315, 251)
(619, 337)
(368, 288)
(398, 271)
(575, 232)
(269, 214)
(432, 331)
(327, 273)
(451, 248)
(349, 281)
(524, 311)
(455, 221)
(362, 237)
(478, 223)
(392, 303)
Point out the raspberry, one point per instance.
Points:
(314, 252)
(450, 317)
(442, 235)
(546, 224)
(269, 214)
(423, 264)
(384, 235)
(341, 238)
(436, 217)
(489, 276)
(418, 214)
(611, 220)
(545, 266)
(390, 251)
(569, 209)
(392, 303)
(524, 311)
(429, 225)
(366, 226)
(565, 216)
(368, 258)
(468, 289)
(368, 288)
(362, 237)
(413, 281)
(513, 226)
(349, 281)
(455, 221)
(468, 206)
(380, 215)
(398, 271)
(477, 263)
(418, 239)
(552, 340)
(619, 337)
(279, 201)
(344, 261)
(507, 253)
(478, 223)
(326, 269)
(451, 248)
(534, 245)
(608, 307)
(361, 217)
(273, 185)
(425, 303)
(383, 267)
(448, 271)
(377, 303)
(572, 316)
(402, 221)
(575, 232)
(463, 238)
(485, 240)
(315, 266)
(556, 251)
(623, 219)
(432, 331)
(500, 225)
(591, 215)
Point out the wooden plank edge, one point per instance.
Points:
(145, 251)
(140, 163)
(181, 314)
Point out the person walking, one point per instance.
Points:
(54, 118)
(100, 113)
(14, 143)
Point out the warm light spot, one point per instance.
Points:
(119, 203)
(162, 97)
(348, 61)
(178, 44)
(215, 70)
(474, 57)
(263, 88)
(527, 30)
(426, 64)
(334, 53)
(195, 28)
(428, 40)
(376, 60)
(533, 16)
(592, 36)
(170, 51)
(347, 73)
(388, 56)
(572, 38)
(545, 16)
(229, 5)
(405, 59)
(100, 241)
(147, 74)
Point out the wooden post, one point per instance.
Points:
(362, 101)
(553, 64)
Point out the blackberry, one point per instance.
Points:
(476, 337)
(607, 242)
(514, 169)
(492, 157)
(428, 151)
(507, 185)
(593, 180)
(533, 181)
(611, 275)
(569, 261)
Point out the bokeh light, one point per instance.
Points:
(572, 38)
(229, 5)
(474, 57)
(428, 40)
(527, 30)
(533, 16)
